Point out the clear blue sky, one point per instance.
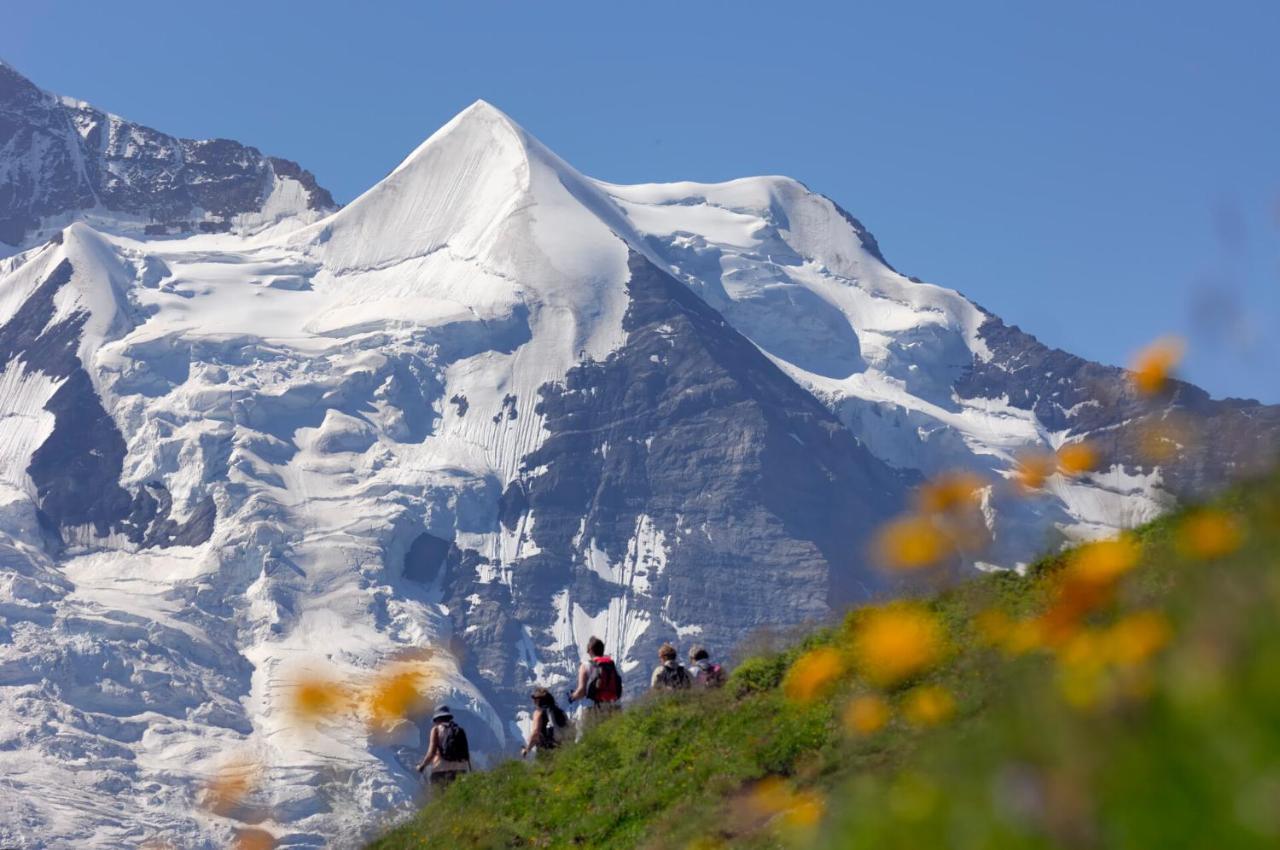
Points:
(1099, 173)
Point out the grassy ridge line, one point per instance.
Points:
(1182, 751)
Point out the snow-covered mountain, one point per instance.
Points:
(486, 410)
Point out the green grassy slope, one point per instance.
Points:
(1138, 711)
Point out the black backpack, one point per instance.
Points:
(453, 742)
(674, 678)
(553, 718)
(604, 684)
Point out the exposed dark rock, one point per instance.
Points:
(687, 432)
(865, 236)
(318, 197)
(1221, 439)
(62, 156)
(425, 559)
(76, 470)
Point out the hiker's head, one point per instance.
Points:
(541, 696)
(595, 647)
(698, 653)
(442, 715)
(667, 652)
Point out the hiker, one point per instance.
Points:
(598, 681)
(447, 751)
(548, 717)
(706, 674)
(670, 675)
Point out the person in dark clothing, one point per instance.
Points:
(670, 675)
(448, 754)
(548, 721)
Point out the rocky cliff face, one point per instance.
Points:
(487, 410)
(63, 160)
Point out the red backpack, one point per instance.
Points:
(604, 684)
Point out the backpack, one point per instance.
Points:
(709, 675)
(553, 718)
(453, 743)
(674, 678)
(604, 684)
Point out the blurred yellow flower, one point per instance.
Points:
(895, 642)
(911, 543)
(1033, 469)
(1209, 534)
(993, 626)
(313, 699)
(234, 781)
(254, 839)
(928, 705)
(1104, 561)
(1077, 458)
(396, 694)
(812, 673)
(866, 715)
(1137, 636)
(769, 796)
(804, 812)
(949, 492)
(1153, 365)
(772, 797)
(1164, 439)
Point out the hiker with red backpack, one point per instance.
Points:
(548, 719)
(670, 675)
(448, 753)
(598, 681)
(706, 673)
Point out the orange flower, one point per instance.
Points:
(1153, 365)
(1162, 440)
(866, 715)
(895, 642)
(1208, 534)
(993, 626)
(771, 797)
(1077, 458)
(911, 543)
(928, 705)
(1103, 561)
(313, 699)
(227, 790)
(397, 694)
(1033, 469)
(254, 839)
(1138, 636)
(813, 673)
(805, 811)
(950, 492)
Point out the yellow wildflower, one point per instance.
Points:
(911, 543)
(1137, 636)
(895, 642)
(866, 715)
(1033, 469)
(1209, 534)
(1153, 365)
(1077, 458)
(949, 492)
(812, 673)
(928, 705)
